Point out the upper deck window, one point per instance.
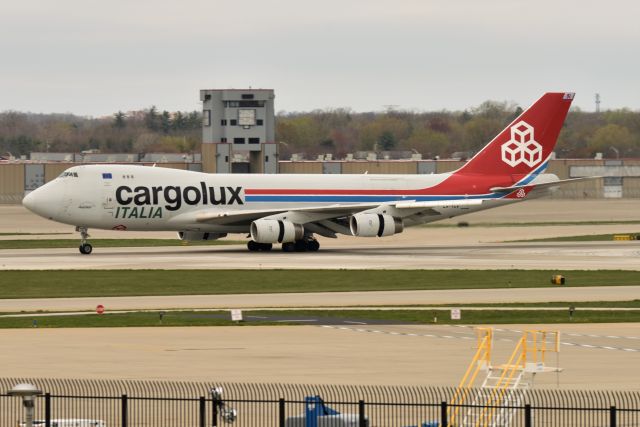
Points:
(68, 174)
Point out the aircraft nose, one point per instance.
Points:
(29, 201)
(42, 201)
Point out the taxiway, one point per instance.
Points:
(578, 256)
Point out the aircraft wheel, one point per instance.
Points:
(288, 247)
(253, 246)
(300, 246)
(266, 247)
(313, 245)
(86, 248)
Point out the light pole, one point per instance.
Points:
(28, 392)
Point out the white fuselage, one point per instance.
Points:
(130, 197)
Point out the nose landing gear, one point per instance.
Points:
(85, 247)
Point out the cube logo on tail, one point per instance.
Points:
(522, 147)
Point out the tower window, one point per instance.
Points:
(245, 104)
(238, 140)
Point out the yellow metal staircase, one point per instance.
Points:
(504, 387)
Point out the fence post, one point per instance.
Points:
(214, 411)
(361, 420)
(203, 411)
(527, 415)
(125, 411)
(444, 416)
(47, 410)
(613, 419)
(281, 413)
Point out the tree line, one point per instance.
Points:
(614, 133)
(149, 130)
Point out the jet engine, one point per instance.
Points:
(371, 225)
(198, 235)
(276, 231)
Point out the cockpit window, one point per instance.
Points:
(68, 174)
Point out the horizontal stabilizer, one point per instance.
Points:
(412, 204)
(543, 185)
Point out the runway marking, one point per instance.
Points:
(407, 334)
(570, 334)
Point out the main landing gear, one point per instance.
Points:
(85, 247)
(307, 245)
(262, 247)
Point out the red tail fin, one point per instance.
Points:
(525, 145)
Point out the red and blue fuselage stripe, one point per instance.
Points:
(336, 195)
(355, 198)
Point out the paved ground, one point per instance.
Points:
(422, 247)
(399, 354)
(624, 255)
(594, 356)
(327, 299)
(14, 218)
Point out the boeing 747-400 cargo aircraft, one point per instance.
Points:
(291, 209)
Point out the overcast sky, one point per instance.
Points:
(96, 57)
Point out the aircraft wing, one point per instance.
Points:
(331, 219)
(331, 214)
(309, 215)
(319, 212)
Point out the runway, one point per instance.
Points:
(557, 256)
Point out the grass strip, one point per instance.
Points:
(585, 304)
(480, 317)
(84, 283)
(33, 234)
(109, 243)
(222, 318)
(583, 238)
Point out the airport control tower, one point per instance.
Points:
(238, 131)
